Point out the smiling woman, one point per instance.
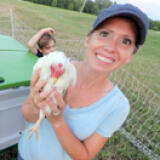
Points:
(113, 44)
(94, 108)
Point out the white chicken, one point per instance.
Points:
(58, 72)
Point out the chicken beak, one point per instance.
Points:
(55, 80)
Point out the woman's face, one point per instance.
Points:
(112, 45)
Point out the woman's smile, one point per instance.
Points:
(104, 59)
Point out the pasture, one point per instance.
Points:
(139, 80)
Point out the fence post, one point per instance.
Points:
(12, 22)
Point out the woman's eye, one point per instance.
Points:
(126, 41)
(104, 34)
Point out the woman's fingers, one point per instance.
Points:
(49, 107)
(57, 107)
(36, 83)
(35, 78)
(39, 86)
(35, 92)
(60, 101)
(45, 111)
(45, 94)
(53, 106)
(36, 99)
(54, 103)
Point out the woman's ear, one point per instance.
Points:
(86, 42)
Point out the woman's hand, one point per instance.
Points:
(31, 106)
(55, 108)
(41, 99)
(47, 30)
(37, 95)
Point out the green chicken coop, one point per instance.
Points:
(16, 64)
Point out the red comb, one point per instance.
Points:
(57, 71)
(60, 65)
(53, 69)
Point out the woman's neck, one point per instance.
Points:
(88, 78)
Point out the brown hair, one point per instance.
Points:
(44, 40)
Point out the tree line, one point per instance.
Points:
(154, 25)
(90, 6)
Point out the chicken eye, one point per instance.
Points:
(104, 34)
(126, 41)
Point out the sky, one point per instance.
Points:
(150, 7)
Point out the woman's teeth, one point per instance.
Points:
(104, 59)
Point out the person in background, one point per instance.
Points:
(95, 107)
(43, 42)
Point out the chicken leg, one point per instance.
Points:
(35, 128)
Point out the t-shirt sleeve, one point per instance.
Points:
(113, 121)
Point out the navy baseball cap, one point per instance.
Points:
(126, 10)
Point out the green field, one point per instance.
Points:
(70, 25)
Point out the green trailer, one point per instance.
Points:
(16, 64)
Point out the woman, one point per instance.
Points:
(95, 108)
(43, 42)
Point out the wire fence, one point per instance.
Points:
(5, 23)
(142, 127)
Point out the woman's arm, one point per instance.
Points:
(29, 110)
(31, 106)
(78, 150)
(32, 43)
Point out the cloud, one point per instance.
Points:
(150, 7)
(152, 2)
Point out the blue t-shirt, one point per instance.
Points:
(104, 117)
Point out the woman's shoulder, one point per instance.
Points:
(116, 96)
(120, 93)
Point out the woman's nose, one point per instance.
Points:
(111, 45)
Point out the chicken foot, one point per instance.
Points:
(35, 127)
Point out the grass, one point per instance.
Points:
(65, 22)
(146, 63)
(70, 25)
(116, 149)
